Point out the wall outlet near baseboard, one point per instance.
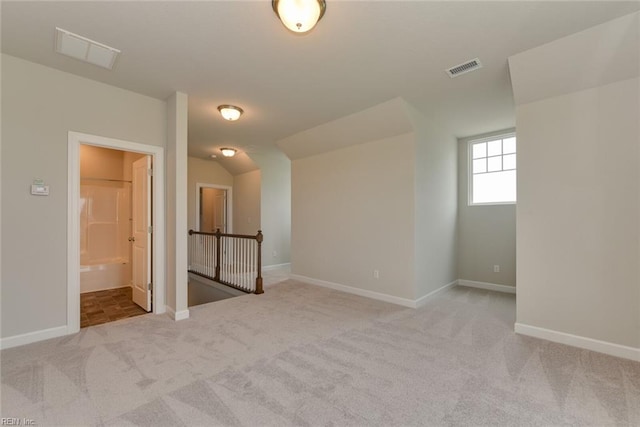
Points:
(275, 253)
(496, 268)
(376, 274)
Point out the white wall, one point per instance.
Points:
(486, 234)
(275, 206)
(579, 213)
(204, 172)
(436, 203)
(353, 212)
(246, 203)
(39, 107)
(176, 202)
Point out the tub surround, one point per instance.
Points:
(108, 274)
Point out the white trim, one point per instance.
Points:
(605, 347)
(177, 315)
(275, 266)
(405, 302)
(75, 139)
(229, 218)
(488, 286)
(356, 291)
(473, 140)
(31, 337)
(424, 299)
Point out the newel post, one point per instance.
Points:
(259, 238)
(218, 235)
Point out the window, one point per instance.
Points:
(492, 164)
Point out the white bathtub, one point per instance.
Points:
(105, 274)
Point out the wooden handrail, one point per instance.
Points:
(241, 236)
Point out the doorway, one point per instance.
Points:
(115, 215)
(126, 235)
(214, 208)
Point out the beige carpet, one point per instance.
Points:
(303, 355)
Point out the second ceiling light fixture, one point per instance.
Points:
(299, 16)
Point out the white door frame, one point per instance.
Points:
(200, 185)
(73, 220)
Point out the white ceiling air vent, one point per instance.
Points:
(467, 67)
(84, 49)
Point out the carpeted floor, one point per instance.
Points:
(304, 355)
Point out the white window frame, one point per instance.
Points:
(470, 144)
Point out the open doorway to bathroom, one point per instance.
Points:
(115, 238)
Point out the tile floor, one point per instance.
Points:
(106, 306)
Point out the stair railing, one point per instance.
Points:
(234, 260)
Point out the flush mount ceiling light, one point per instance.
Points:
(84, 49)
(299, 16)
(228, 152)
(230, 112)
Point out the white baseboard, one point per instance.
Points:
(356, 291)
(405, 302)
(423, 300)
(32, 337)
(177, 315)
(580, 342)
(275, 266)
(488, 286)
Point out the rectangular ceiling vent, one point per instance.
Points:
(467, 67)
(84, 49)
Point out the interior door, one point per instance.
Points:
(213, 209)
(220, 210)
(207, 202)
(141, 239)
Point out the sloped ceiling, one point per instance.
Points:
(597, 56)
(381, 121)
(361, 54)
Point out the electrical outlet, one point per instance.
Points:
(376, 274)
(496, 268)
(275, 253)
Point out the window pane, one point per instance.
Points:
(509, 145)
(494, 164)
(495, 148)
(496, 187)
(479, 165)
(509, 162)
(480, 150)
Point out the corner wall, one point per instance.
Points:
(275, 206)
(176, 207)
(436, 228)
(353, 213)
(246, 203)
(486, 234)
(40, 106)
(578, 213)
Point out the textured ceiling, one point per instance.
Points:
(362, 53)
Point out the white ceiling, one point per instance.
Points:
(362, 53)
